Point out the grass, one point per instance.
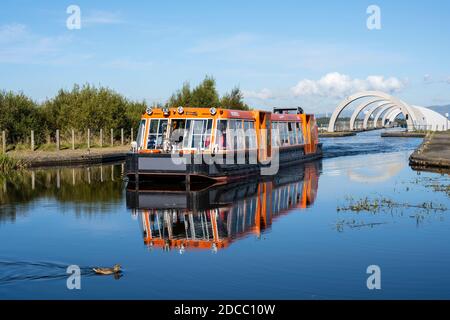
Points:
(8, 164)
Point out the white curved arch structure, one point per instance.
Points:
(410, 115)
(371, 112)
(381, 112)
(417, 118)
(393, 115)
(360, 108)
(388, 115)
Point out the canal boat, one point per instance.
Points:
(197, 144)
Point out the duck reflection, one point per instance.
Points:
(212, 217)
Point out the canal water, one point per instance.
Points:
(311, 232)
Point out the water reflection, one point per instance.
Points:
(85, 189)
(379, 172)
(213, 217)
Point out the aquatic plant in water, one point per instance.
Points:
(377, 205)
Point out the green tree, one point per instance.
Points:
(205, 94)
(90, 107)
(182, 97)
(234, 100)
(19, 115)
(133, 114)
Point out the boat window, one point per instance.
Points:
(140, 135)
(276, 134)
(284, 134)
(221, 139)
(292, 136)
(206, 139)
(177, 131)
(156, 134)
(250, 134)
(231, 134)
(197, 134)
(240, 135)
(299, 133)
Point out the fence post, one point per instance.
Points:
(33, 180)
(132, 135)
(101, 138)
(32, 140)
(112, 137)
(121, 136)
(4, 140)
(73, 139)
(57, 140)
(89, 139)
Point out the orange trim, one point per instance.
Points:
(148, 228)
(151, 151)
(145, 137)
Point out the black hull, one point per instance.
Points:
(160, 167)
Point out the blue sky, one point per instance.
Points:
(280, 53)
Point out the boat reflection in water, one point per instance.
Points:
(212, 217)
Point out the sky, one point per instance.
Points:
(280, 53)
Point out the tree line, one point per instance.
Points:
(90, 107)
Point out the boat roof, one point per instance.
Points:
(224, 113)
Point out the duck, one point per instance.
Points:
(108, 271)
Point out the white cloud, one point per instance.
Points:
(427, 78)
(11, 32)
(263, 94)
(340, 85)
(21, 46)
(101, 17)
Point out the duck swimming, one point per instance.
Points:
(108, 271)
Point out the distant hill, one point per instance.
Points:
(441, 109)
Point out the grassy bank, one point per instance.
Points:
(8, 164)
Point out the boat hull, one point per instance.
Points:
(141, 167)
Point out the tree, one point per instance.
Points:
(90, 107)
(19, 115)
(205, 94)
(234, 100)
(181, 97)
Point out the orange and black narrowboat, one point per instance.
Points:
(220, 144)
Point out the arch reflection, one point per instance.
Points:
(213, 217)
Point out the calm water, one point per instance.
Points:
(277, 238)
